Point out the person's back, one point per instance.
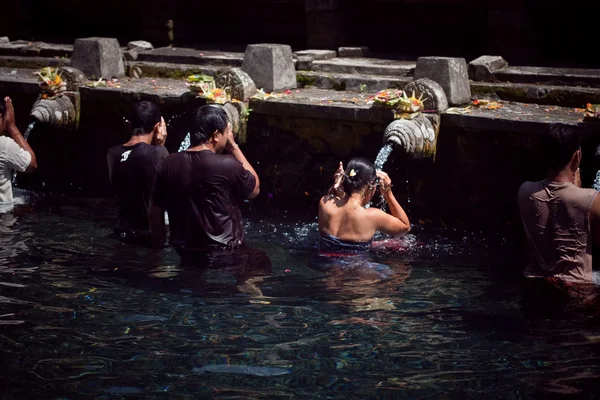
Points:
(556, 217)
(202, 189)
(132, 168)
(559, 217)
(202, 192)
(344, 223)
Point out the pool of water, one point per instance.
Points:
(84, 316)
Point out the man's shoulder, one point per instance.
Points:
(530, 187)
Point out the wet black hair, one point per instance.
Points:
(143, 117)
(205, 121)
(364, 173)
(560, 143)
(2, 106)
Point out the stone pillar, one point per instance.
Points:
(325, 24)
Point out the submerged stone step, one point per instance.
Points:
(553, 76)
(373, 66)
(191, 56)
(352, 82)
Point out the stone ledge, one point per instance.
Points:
(36, 49)
(565, 96)
(170, 70)
(372, 66)
(351, 82)
(548, 75)
(191, 56)
(32, 62)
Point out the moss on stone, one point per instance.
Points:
(305, 80)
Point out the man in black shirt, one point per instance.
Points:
(132, 169)
(202, 189)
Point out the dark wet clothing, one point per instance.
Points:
(132, 170)
(330, 244)
(202, 192)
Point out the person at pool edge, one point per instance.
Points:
(132, 168)
(15, 152)
(344, 222)
(202, 188)
(560, 218)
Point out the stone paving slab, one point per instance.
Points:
(191, 56)
(372, 66)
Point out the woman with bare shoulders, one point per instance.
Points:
(345, 225)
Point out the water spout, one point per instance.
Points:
(416, 137)
(59, 112)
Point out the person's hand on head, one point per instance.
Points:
(231, 144)
(338, 179)
(385, 183)
(161, 135)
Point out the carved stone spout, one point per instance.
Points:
(416, 137)
(59, 112)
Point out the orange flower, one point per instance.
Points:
(57, 80)
(217, 92)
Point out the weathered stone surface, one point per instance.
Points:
(4, 40)
(241, 85)
(433, 92)
(140, 45)
(415, 136)
(484, 67)
(131, 55)
(270, 66)
(321, 5)
(98, 57)
(353, 51)
(450, 73)
(317, 54)
(73, 77)
(304, 63)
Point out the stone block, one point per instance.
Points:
(131, 55)
(270, 66)
(353, 51)
(317, 54)
(140, 45)
(433, 93)
(98, 58)
(73, 77)
(450, 73)
(304, 63)
(4, 40)
(240, 84)
(484, 67)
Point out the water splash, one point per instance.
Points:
(382, 157)
(185, 144)
(25, 136)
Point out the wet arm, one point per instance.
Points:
(395, 224)
(595, 217)
(237, 153)
(15, 135)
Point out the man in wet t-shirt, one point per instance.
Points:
(132, 168)
(202, 189)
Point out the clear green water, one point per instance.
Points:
(84, 316)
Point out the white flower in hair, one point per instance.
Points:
(352, 173)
